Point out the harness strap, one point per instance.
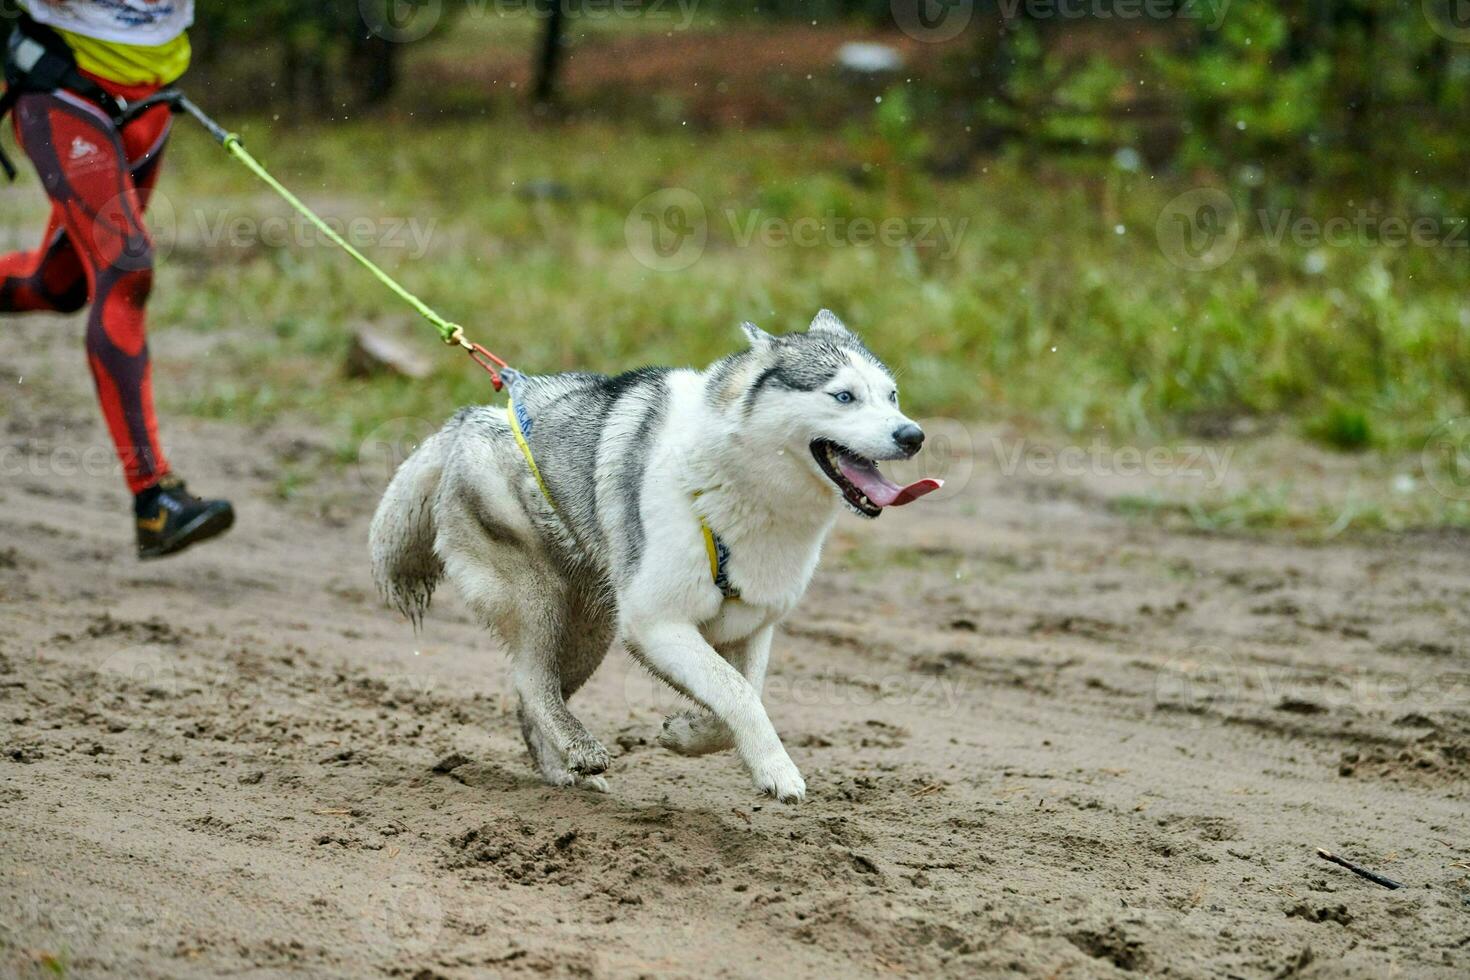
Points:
(719, 558)
(518, 427)
(711, 549)
(716, 549)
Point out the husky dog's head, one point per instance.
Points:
(824, 397)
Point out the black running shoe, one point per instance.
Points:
(170, 518)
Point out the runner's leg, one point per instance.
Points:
(49, 279)
(84, 169)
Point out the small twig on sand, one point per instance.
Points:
(1372, 876)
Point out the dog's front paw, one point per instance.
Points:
(586, 757)
(778, 776)
(694, 733)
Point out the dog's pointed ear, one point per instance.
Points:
(826, 322)
(758, 338)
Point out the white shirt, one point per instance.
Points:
(147, 22)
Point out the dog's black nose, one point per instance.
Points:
(909, 437)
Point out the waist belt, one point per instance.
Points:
(520, 426)
(38, 60)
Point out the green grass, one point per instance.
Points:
(1278, 505)
(1043, 308)
(1055, 303)
(1270, 508)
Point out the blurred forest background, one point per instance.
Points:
(1363, 90)
(1156, 219)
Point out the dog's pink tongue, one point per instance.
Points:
(881, 490)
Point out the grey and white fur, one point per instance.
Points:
(756, 446)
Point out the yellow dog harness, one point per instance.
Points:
(715, 549)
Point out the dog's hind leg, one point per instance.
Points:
(523, 600)
(551, 658)
(549, 761)
(697, 731)
(565, 752)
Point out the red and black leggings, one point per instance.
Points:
(96, 248)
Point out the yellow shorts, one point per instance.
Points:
(130, 64)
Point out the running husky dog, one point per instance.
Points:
(680, 511)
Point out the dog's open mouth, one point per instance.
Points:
(863, 485)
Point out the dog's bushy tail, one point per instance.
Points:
(405, 565)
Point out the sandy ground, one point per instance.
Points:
(1040, 739)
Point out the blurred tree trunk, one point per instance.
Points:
(993, 65)
(1361, 91)
(548, 61)
(372, 67)
(305, 77)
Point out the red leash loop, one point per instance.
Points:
(480, 355)
(488, 361)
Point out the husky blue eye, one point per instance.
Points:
(842, 396)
